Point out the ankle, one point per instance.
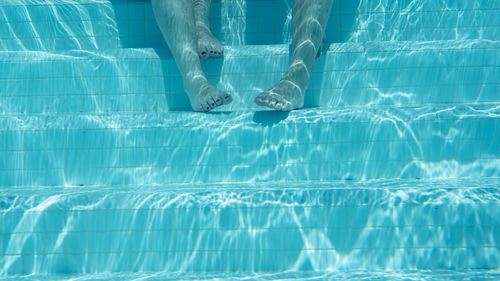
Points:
(298, 74)
(202, 28)
(194, 84)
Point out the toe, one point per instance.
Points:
(261, 99)
(258, 100)
(215, 53)
(279, 106)
(212, 102)
(206, 107)
(218, 100)
(227, 98)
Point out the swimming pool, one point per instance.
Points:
(391, 171)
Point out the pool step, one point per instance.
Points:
(252, 228)
(349, 74)
(129, 80)
(314, 144)
(46, 25)
(411, 73)
(387, 20)
(101, 24)
(382, 275)
(116, 80)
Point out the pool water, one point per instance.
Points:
(390, 172)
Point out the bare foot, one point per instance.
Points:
(208, 45)
(205, 97)
(284, 96)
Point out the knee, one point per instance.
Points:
(305, 46)
(311, 27)
(163, 5)
(159, 7)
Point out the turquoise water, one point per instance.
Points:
(390, 172)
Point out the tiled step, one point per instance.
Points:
(129, 80)
(57, 25)
(147, 80)
(101, 24)
(125, 80)
(252, 228)
(382, 275)
(407, 20)
(316, 144)
(353, 275)
(410, 73)
(96, 24)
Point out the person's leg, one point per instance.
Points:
(208, 45)
(309, 19)
(177, 23)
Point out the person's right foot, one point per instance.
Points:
(208, 45)
(205, 97)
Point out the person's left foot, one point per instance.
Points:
(284, 96)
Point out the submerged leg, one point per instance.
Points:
(208, 45)
(309, 19)
(177, 23)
